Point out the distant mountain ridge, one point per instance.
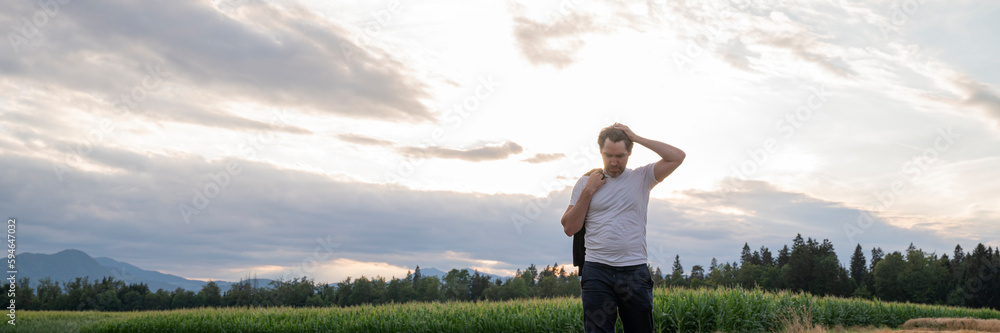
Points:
(67, 265)
(441, 274)
(128, 272)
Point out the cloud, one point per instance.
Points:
(981, 96)
(807, 48)
(732, 30)
(553, 43)
(736, 54)
(544, 157)
(364, 140)
(487, 153)
(257, 54)
(484, 153)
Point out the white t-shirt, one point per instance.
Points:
(616, 220)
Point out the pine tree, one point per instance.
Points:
(713, 266)
(534, 274)
(859, 267)
(416, 277)
(959, 256)
(783, 256)
(826, 248)
(800, 273)
(678, 270)
(766, 258)
(746, 256)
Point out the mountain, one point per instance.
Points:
(61, 267)
(155, 280)
(440, 274)
(67, 265)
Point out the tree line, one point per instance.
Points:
(110, 294)
(964, 279)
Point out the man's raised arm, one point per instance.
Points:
(671, 157)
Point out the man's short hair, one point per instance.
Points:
(615, 135)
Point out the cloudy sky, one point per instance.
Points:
(216, 140)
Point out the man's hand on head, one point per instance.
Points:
(628, 131)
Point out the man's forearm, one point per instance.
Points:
(575, 216)
(667, 152)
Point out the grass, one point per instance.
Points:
(953, 324)
(675, 310)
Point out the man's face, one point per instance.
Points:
(615, 157)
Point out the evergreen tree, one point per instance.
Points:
(957, 259)
(827, 276)
(826, 247)
(678, 270)
(799, 274)
(757, 260)
(745, 255)
(859, 265)
(677, 275)
(980, 277)
(766, 258)
(416, 277)
(783, 255)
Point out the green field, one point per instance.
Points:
(727, 310)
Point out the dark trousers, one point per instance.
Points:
(610, 292)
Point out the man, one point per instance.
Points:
(611, 204)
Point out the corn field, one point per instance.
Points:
(676, 310)
(739, 310)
